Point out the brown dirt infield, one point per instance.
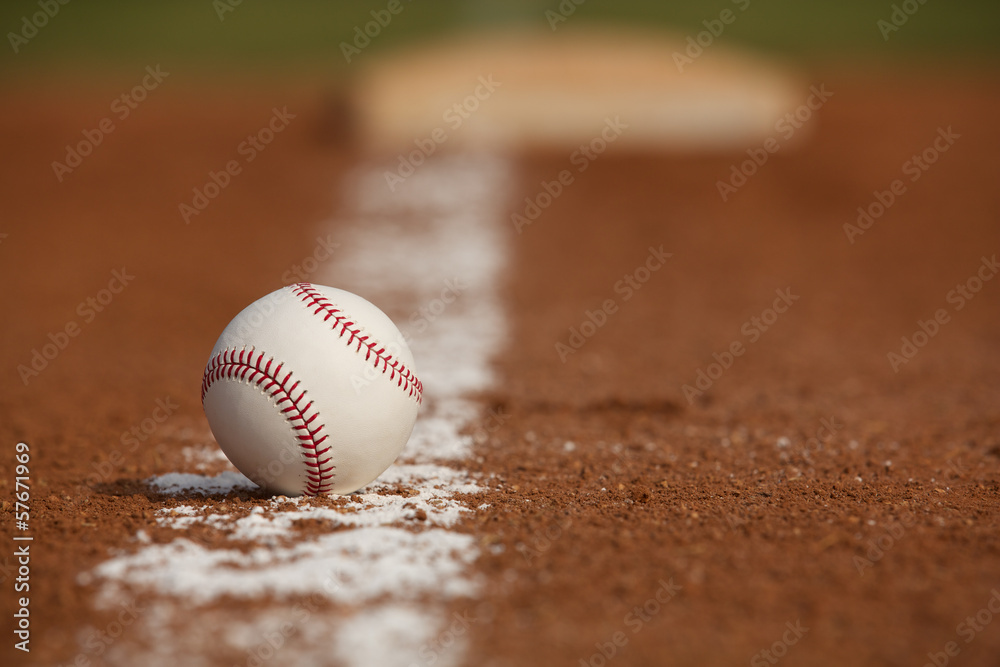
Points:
(726, 497)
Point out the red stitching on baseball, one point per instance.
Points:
(407, 381)
(225, 364)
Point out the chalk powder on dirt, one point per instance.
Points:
(436, 242)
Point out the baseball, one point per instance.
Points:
(311, 390)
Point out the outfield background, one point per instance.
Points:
(305, 35)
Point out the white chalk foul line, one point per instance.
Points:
(429, 254)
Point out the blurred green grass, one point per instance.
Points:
(306, 34)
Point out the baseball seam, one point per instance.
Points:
(300, 414)
(404, 378)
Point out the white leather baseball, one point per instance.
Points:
(311, 390)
